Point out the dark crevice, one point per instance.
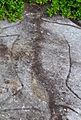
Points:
(66, 24)
(12, 35)
(76, 22)
(68, 76)
(19, 109)
(66, 107)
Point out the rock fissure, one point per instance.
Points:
(10, 35)
(78, 27)
(68, 76)
(19, 109)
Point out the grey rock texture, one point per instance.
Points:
(22, 97)
(40, 69)
(68, 72)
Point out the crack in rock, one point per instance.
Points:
(68, 76)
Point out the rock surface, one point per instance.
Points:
(67, 66)
(40, 69)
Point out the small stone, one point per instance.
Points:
(48, 34)
(65, 110)
(41, 31)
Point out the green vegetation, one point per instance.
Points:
(40, 2)
(68, 8)
(13, 9)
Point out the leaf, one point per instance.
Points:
(78, 0)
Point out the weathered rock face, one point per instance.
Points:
(66, 64)
(22, 97)
(39, 69)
